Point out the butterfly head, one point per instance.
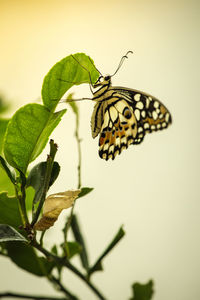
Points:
(103, 81)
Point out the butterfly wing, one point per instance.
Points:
(125, 118)
(115, 121)
(150, 113)
(97, 119)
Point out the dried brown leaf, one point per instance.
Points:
(53, 206)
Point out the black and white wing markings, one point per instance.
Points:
(123, 116)
(125, 119)
(97, 119)
(150, 113)
(118, 129)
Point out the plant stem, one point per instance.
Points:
(41, 237)
(68, 265)
(21, 196)
(78, 140)
(25, 296)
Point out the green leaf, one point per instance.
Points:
(73, 249)
(54, 250)
(64, 74)
(25, 257)
(5, 183)
(30, 194)
(9, 234)
(79, 238)
(98, 265)
(85, 191)
(142, 291)
(59, 267)
(3, 126)
(54, 173)
(9, 211)
(27, 134)
(36, 178)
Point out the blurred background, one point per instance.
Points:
(152, 189)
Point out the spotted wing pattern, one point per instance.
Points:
(125, 118)
(150, 113)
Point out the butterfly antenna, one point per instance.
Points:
(121, 62)
(94, 66)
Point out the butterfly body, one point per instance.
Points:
(122, 116)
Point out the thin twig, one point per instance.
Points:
(25, 296)
(62, 261)
(20, 193)
(41, 237)
(78, 140)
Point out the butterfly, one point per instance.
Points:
(122, 116)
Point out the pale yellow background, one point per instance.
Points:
(153, 189)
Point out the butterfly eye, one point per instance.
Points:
(127, 113)
(107, 78)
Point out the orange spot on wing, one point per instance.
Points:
(101, 141)
(163, 109)
(151, 121)
(113, 138)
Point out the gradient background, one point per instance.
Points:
(153, 188)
